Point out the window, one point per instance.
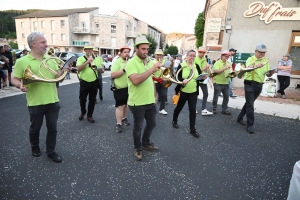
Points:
(23, 35)
(53, 38)
(43, 24)
(52, 25)
(221, 37)
(35, 26)
(127, 27)
(294, 50)
(62, 23)
(97, 39)
(82, 24)
(22, 24)
(63, 37)
(113, 28)
(113, 42)
(97, 25)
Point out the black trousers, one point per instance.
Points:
(191, 98)
(252, 91)
(284, 82)
(37, 113)
(147, 112)
(100, 86)
(88, 89)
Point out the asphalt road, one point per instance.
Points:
(224, 163)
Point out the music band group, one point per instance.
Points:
(137, 81)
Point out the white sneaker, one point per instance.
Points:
(163, 112)
(196, 111)
(206, 112)
(2, 91)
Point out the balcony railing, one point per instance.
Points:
(79, 43)
(132, 34)
(84, 30)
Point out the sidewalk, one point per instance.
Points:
(287, 108)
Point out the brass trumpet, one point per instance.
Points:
(92, 64)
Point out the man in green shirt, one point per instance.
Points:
(118, 74)
(42, 98)
(222, 69)
(160, 89)
(200, 60)
(253, 83)
(100, 70)
(88, 77)
(141, 100)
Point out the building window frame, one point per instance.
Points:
(22, 24)
(113, 28)
(43, 24)
(63, 37)
(52, 25)
(293, 44)
(62, 23)
(23, 35)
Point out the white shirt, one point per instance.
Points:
(176, 63)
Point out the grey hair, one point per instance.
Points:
(32, 36)
(190, 51)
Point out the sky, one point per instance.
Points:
(167, 15)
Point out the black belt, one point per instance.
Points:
(247, 82)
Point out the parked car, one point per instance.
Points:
(18, 52)
(107, 64)
(107, 57)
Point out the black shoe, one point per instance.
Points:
(125, 122)
(55, 157)
(214, 111)
(233, 96)
(241, 121)
(35, 151)
(10, 84)
(250, 129)
(119, 128)
(226, 112)
(81, 116)
(90, 119)
(175, 125)
(195, 133)
(101, 98)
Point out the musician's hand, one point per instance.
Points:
(185, 81)
(90, 59)
(22, 88)
(207, 66)
(259, 65)
(156, 66)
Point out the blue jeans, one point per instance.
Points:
(230, 87)
(37, 113)
(252, 91)
(205, 95)
(218, 88)
(147, 112)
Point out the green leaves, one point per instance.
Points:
(199, 29)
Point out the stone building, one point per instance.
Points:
(242, 25)
(71, 29)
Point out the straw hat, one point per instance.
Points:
(87, 46)
(225, 53)
(202, 49)
(125, 47)
(95, 49)
(141, 40)
(159, 52)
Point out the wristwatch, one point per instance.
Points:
(124, 70)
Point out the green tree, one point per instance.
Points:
(153, 44)
(166, 51)
(13, 45)
(172, 50)
(199, 29)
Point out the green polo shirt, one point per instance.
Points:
(120, 82)
(259, 73)
(191, 86)
(98, 61)
(39, 93)
(221, 78)
(87, 74)
(143, 93)
(201, 62)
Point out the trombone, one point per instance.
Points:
(243, 70)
